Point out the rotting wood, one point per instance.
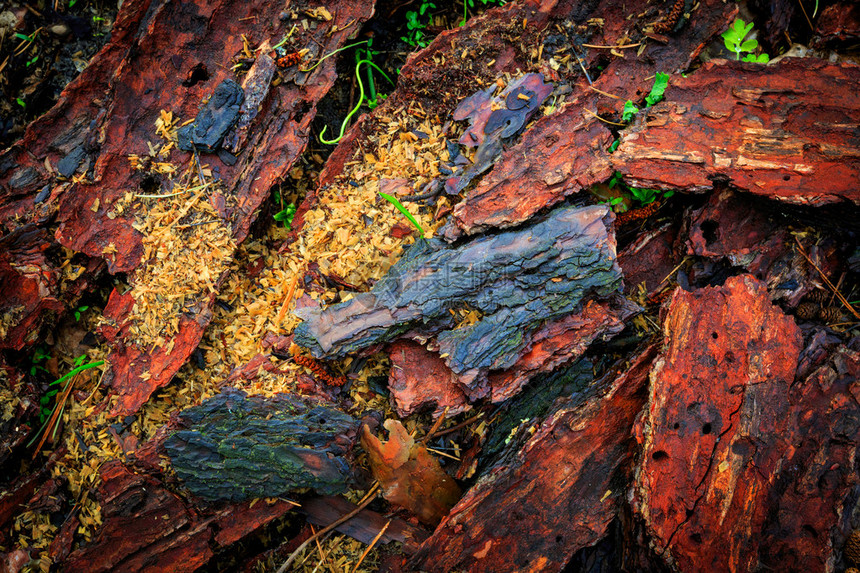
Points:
(516, 280)
(785, 131)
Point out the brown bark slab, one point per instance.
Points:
(147, 527)
(717, 425)
(783, 131)
(565, 152)
(554, 496)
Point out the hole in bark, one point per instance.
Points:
(558, 538)
(659, 455)
(696, 537)
(676, 426)
(714, 335)
(706, 429)
(197, 74)
(149, 185)
(322, 420)
(709, 230)
(786, 177)
(689, 513)
(810, 530)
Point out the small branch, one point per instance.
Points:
(323, 531)
(838, 294)
(369, 547)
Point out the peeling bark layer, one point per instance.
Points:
(717, 425)
(786, 131)
(516, 279)
(554, 496)
(235, 448)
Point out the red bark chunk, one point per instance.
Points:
(717, 424)
(783, 131)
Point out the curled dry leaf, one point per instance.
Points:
(410, 477)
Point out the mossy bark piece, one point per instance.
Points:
(516, 279)
(236, 447)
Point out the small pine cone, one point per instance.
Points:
(807, 310)
(830, 314)
(852, 547)
(819, 296)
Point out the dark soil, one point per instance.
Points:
(42, 49)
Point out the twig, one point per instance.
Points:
(444, 454)
(460, 425)
(603, 120)
(838, 294)
(601, 92)
(612, 47)
(287, 300)
(435, 427)
(808, 21)
(369, 547)
(323, 531)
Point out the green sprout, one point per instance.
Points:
(33, 61)
(661, 82)
(471, 4)
(362, 99)
(416, 24)
(80, 310)
(47, 414)
(285, 215)
(734, 39)
(21, 102)
(394, 201)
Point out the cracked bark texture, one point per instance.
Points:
(717, 425)
(516, 279)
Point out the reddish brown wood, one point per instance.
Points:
(783, 131)
(556, 495)
(717, 425)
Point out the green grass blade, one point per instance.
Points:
(394, 201)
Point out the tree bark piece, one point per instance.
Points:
(149, 528)
(716, 425)
(516, 279)
(565, 152)
(556, 495)
(168, 56)
(783, 131)
(237, 448)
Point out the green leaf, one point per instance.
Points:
(396, 202)
(661, 80)
(667, 194)
(614, 145)
(749, 46)
(21, 102)
(630, 110)
(763, 59)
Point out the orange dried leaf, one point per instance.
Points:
(410, 477)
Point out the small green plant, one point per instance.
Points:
(26, 38)
(285, 215)
(363, 58)
(39, 355)
(661, 81)
(21, 102)
(396, 202)
(734, 39)
(416, 23)
(471, 4)
(80, 311)
(33, 61)
(643, 196)
(49, 415)
(72, 3)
